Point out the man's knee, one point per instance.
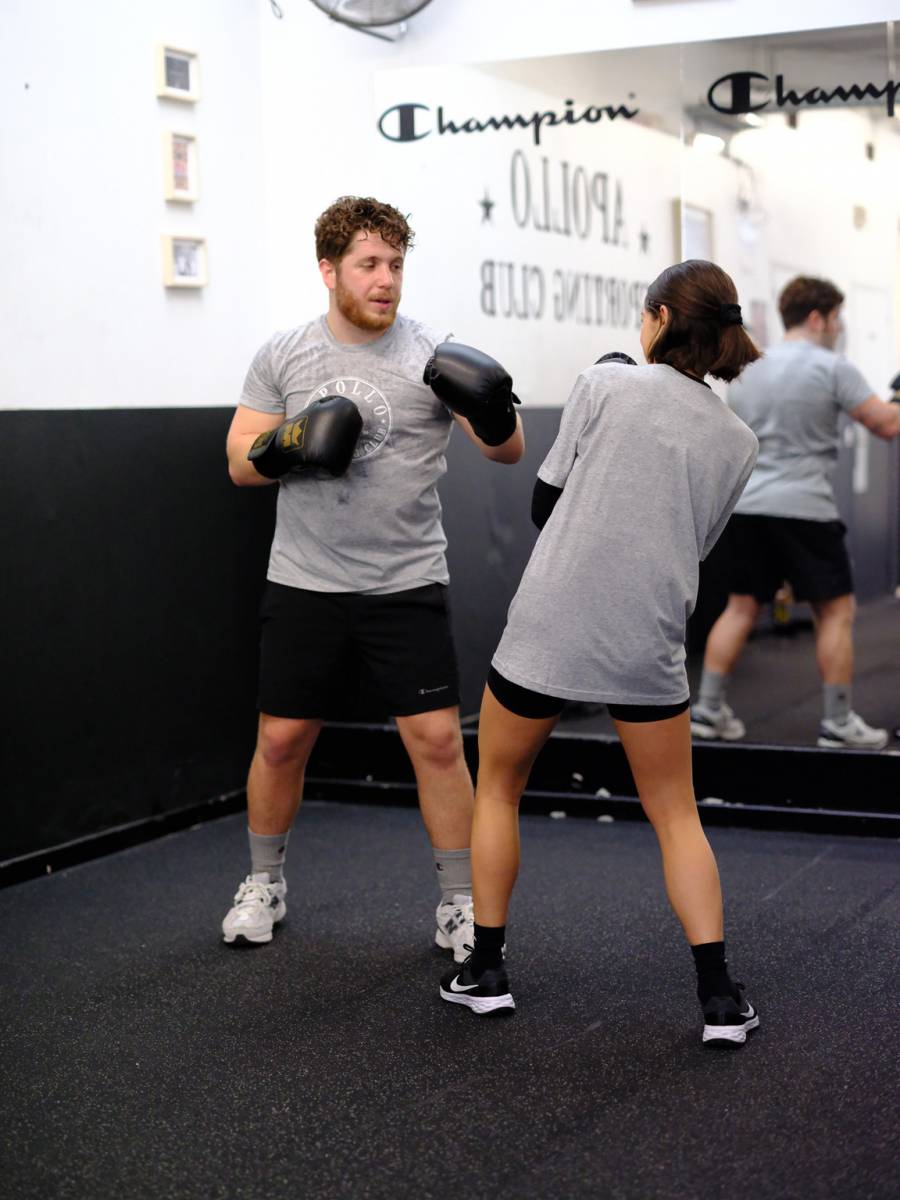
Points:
(282, 742)
(745, 608)
(434, 737)
(839, 609)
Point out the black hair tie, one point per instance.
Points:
(730, 314)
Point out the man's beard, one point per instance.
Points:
(354, 312)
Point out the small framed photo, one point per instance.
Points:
(180, 166)
(184, 261)
(693, 231)
(177, 74)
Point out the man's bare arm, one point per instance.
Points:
(246, 426)
(880, 417)
(508, 452)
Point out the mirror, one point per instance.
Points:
(547, 193)
(791, 144)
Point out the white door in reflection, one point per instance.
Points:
(870, 344)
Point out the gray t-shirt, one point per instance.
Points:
(651, 464)
(377, 528)
(792, 399)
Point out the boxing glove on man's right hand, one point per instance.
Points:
(323, 435)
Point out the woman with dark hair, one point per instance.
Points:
(641, 479)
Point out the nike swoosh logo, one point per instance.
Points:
(462, 987)
(751, 1012)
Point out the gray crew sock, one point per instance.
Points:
(836, 701)
(267, 854)
(712, 690)
(454, 872)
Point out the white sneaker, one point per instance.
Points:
(456, 927)
(258, 906)
(852, 732)
(709, 723)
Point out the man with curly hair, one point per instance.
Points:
(357, 576)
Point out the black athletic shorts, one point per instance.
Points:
(316, 647)
(760, 553)
(537, 706)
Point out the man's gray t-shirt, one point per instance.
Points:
(376, 529)
(651, 464)
(792, 399)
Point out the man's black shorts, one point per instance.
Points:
(316, 647)
(760, 553)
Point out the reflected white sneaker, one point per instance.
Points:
(718, 722)
(852, 732)
(258, 906)
(455, 927)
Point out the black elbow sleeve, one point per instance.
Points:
(543, 501)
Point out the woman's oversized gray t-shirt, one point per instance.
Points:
(651, 464)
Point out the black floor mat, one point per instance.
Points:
(144, 1058)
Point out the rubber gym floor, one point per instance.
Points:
(144, 1058)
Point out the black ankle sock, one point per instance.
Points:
(712, 971)
(488, 949)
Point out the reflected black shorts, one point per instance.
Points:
(316, 647)
(525, 703)
(760, 553)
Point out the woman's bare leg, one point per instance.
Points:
(507, 747)
(659, 754)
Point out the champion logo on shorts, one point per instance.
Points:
(373, 406)
(428, 691)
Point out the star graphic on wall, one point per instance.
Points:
(487, 205)
(645, 241)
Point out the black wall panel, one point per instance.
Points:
(132, 570)
(131, 576)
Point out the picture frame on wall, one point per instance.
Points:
(184, 261)
(177, 74)
(180, 166)
(693, 228)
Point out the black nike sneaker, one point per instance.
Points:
(727, 1020)
(488, 994)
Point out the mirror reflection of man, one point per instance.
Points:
(357, 577)
(786, 524)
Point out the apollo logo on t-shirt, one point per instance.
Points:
(372, 404)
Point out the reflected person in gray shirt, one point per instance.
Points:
(786, 525)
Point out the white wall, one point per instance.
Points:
(285, 123)
(85, 321)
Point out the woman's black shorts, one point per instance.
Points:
(526, 703)
(316, 648)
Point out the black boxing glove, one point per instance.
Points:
(323, 435)
(475, 386)
(616, 356)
